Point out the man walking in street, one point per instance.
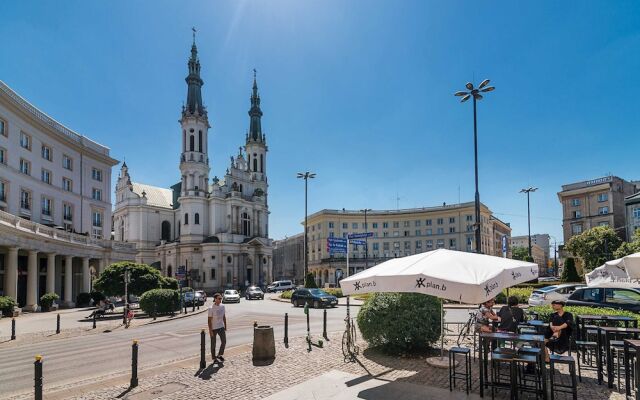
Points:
(217, 326)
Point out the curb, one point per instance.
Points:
(179, 316)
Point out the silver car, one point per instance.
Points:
(547, 294)
(231, 296)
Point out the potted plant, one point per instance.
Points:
(47, 300)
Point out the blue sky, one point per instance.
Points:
(359, 92)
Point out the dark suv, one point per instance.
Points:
(313, 297)
(619, 298)
(254, 292)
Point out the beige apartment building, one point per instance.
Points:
(398, 233)
(597, 202)
(288, 259)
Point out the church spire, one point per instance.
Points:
(194, 82)
(255, 126)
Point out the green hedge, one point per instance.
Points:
(7, 304)
(47, 300)
(522, 294)
(334, 291)
(400, 322)
(544, 312)
(286, 294)
(160, 301)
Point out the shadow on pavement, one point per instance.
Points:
(208, 372)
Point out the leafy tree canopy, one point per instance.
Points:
(594, 246)
(631, 247)
(519, 253)
(142, 278)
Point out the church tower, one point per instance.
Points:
(194, 159)
(256, 143)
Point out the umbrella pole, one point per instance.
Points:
(441, 328)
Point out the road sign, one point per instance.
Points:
(337, 240)
(360, 235)
(358, 242)
(181, 272)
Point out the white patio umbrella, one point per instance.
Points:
(448, 274)
(622, 272)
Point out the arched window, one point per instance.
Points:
(246, 224)
(169, 271)
(166, 230)
(196, 219)
(241, 188)
(191, 142)
(255, 162)
(186, 218)
(261, 163)
(200, 141)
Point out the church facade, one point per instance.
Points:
(217, 230)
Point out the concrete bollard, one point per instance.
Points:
(264, 345)
(37, 386)
(134, 364)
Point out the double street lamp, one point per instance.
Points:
(466, 95)
(306, 176)
(366, 241)
(528, 191)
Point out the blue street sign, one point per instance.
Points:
(337, 240)
(337, 247)
(358, 242)
(181, 272)
(504, 244)
(360, 235)
(336, 250)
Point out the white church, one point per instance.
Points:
(219, 228)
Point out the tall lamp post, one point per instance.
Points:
(528, 191)
(555, 255)
(466, 95)
(306, 176)
(366, 241)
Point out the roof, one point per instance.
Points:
(633, 198)
(156, 196)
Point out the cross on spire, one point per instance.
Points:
(194, 34)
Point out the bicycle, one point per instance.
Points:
(349, 348)
(467, 329)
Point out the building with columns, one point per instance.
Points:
(218, 228)
(55, 206)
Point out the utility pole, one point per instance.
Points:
(366, 241)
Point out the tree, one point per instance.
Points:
(519, 253)
(310, 281)
(142, 278)
(594, 246)
(569, 273)
(631, 247)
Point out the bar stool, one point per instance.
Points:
(453, 374)
(559, 387)
(529, 382)
(617, 351)
(586, 353)
(498, 359)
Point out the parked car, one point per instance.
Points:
(280, 286)
(547, 279)
(188, 298)
(202, 294)
(254, 292)
(547, 294)
(313, 297)
(618, 298)
(231, 296)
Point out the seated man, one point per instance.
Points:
(510, 316)
(557, 336)
(485, 315)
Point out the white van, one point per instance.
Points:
(280, 286)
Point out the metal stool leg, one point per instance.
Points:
(572, 371)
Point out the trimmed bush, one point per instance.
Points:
(170, 283)
(400, 322)
(522, 294)
(83, 299)
(544, 312)
(286, 294)
(334, 292)
(310, 281)
(160, 301)
(143, 278)
(569, 272)
(47, 300)
(7, 304)
(97, 297)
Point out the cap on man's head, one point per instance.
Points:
(561, 302)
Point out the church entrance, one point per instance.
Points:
(249, 276)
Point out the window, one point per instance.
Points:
(440, 221)
(3, 156)
(452, 229)
(452, 220)
(396, 233)
(25, 200)
(46, 152)
(576, 229)
(385, 225)
(452, 244)
(196, 219)
(603, 197)
(396, 224)
(191, 143)
(418, 232)
(418, 244)
(636, 212)
(4, 188)
(440, 244)
(418, 222)
(186, 219)
(428, 222)
(406, 224)
(469, 217)
(96, 219)
(25, 141)
(46, 176)
(406, 233)
(440, 231)
(603, 223)
(429, 244)
(469, 228)
(200, 141)
(25, 166)
(213, 274)
(331, 234)
(67, 184)
(428, 232)
(621, 296)
(3, 128)
(407, 245)
(590, 295)
(67, 212)
(577, 214)
(575, 202)
(603, 210)
(385, 234)
(374, 225)
(345, 225)
(354, 225)
(396, 245)
(67, 162)
(376, 246)
(96, 174)
(385, 246)
(330, 225)
(46, 206)
(96, 194)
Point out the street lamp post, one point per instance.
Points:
(528, 191)
(555, 255)
(466, 95)
(366, 241)
(306, 176)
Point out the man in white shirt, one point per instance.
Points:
(217, 326)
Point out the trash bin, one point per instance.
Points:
(264, 345)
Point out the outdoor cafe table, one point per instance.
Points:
(537, 324)
(581, 320)
(635, 344)
(483, 354)
(604, 342)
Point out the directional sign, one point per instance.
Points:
(337, 240)
(358, 242)
(360, 235)
(181, 272)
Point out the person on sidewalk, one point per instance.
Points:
(558, 334)
(217, 326)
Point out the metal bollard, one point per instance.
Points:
(13, 329)
(203, 361)
(308, 331)
(155, 311)
(58, 324)
(134, 364)
(94, 320)
(324, 325)
(286, 329)
(38, 378)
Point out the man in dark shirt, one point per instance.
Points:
(557, 337)
(510, 315)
